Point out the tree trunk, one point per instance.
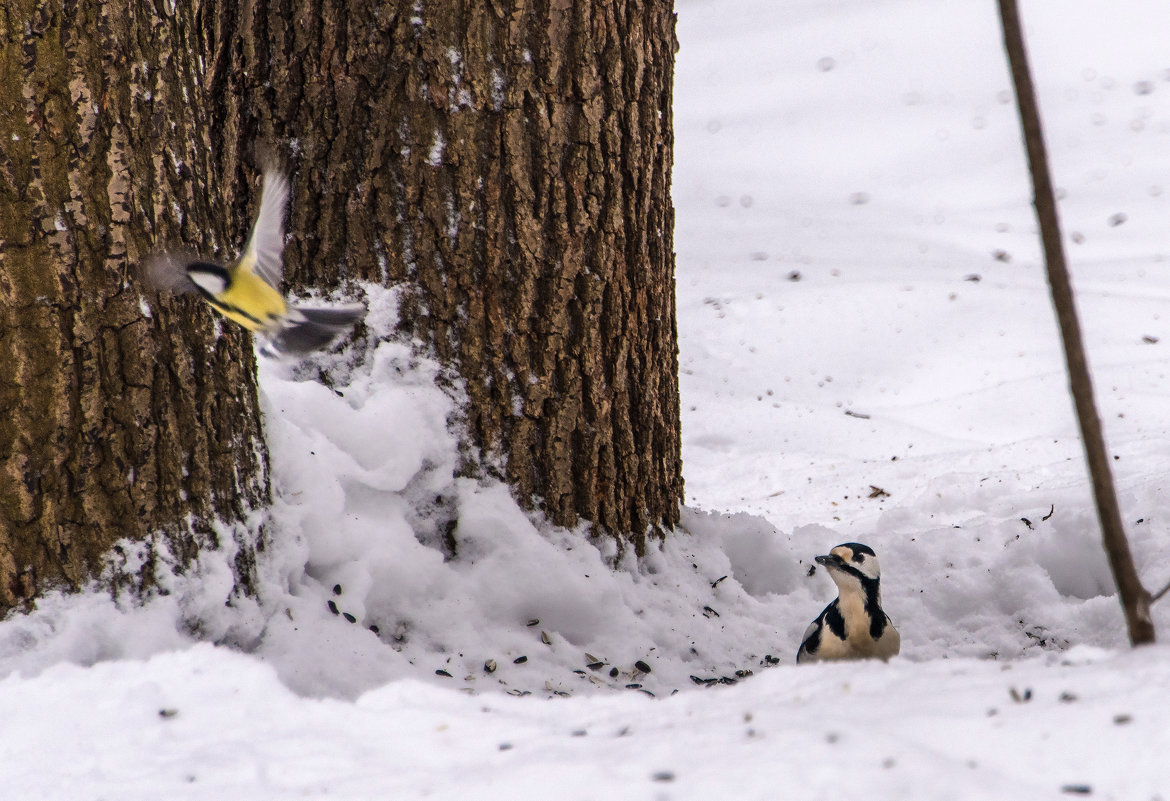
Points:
(509, 163)
(120, 417)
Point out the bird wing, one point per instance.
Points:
(263, 254)
(808, 631)
(810, 641)
(168, 271)
(310, 328)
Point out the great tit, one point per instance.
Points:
(248, 290)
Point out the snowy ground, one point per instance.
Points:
(868, 353)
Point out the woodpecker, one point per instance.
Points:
(853, 626)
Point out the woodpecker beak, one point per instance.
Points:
(829, 560)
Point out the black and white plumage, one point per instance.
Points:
(853, 626)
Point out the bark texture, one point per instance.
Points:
(509, 163)
(119, 417)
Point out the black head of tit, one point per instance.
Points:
(853, 626)
(247, 291)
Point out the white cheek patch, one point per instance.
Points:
(211, 283)
(869, 566)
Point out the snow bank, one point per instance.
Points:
(208, 723)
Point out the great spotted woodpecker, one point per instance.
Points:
(854, 625)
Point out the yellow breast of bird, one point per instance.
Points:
(250, 301)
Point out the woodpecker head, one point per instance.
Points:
(852, 566)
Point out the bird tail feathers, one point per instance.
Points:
(310, 328)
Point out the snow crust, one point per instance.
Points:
(868, 354)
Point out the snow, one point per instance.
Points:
(208, 722)
(868, 354)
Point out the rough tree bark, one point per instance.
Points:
(113, 423)
(509, 163)
(1135, 599)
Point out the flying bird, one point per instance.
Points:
(247, 291)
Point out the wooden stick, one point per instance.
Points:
(1135, 599)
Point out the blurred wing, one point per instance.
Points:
(263, 254)
(340, 316)
(311, 328)
(167, 272)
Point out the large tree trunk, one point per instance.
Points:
(510, 164)
(113, 423)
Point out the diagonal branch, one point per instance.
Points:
(1158, 595)
(1135, 600)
